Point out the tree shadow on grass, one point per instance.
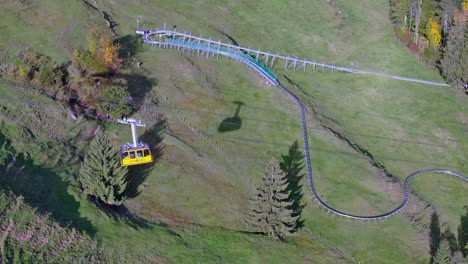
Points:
(41, 188)
(130, 45)
(232, 123)
(123, 215)
(292, 164)
(137, 175)
(138, 86)
(434, 235)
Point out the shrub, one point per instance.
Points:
(102, 55)
(23, 72)
(116, 101)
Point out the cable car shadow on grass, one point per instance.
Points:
(137, 175)
(232, 123)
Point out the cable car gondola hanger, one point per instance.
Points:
(136, 153)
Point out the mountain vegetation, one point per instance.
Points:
(30, 237)
(68, 69)
(463, 233)
(101, 176)
(439, 32)
(95, 90)
(270, 212)
(443, 255)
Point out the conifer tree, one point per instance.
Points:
(399, 11)
(269, 207)
(416, 12)
(101, 175)
(443, 255)
(463, 233)
(450, 237)
(446, 12)
(454, 62)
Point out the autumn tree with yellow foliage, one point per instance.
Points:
(433, 32)
(101, 57)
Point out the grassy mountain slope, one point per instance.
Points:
(195, 197)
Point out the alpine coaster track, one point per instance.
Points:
(209, 48)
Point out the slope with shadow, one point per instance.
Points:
(232, 123)
(40, 186)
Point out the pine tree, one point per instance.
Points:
(443, 254)
(399, 11)
(463, 233)
(464, 60)
(446, 12)
(450, 237)
(416, 12)
(454, 62)
(269, 207)
(101, 175)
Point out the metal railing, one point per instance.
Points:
(267, 57)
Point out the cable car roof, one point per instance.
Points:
(129, 146)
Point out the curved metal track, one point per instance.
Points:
(267, 57)
(271, 77)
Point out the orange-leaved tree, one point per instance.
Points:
(101, 57)
(110, 55)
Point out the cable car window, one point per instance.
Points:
(132, 154)
(140, 154)
(145, 152)
(125, 154)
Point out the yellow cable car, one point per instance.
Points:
(136, 153)
(130, 155)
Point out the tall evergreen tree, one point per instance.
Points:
(269, 207)
(443, 254)
(450, 237)
(292, 164)
(446, 12)
(454, 64)
(416, 12)
(101, 175)
(464, 60)
(463, 233)
(399, 11)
